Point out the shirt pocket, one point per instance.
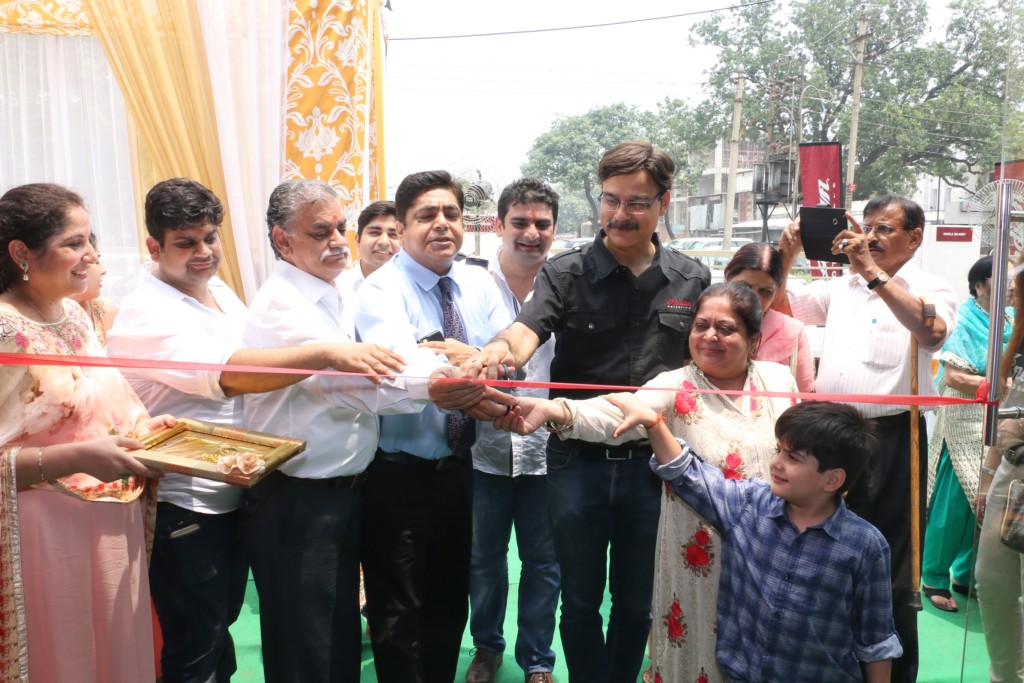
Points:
(674, 337)
(590, 335)
(888, 345)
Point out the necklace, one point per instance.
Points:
(43, 318)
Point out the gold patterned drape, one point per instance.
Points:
(53, 17)
(334, 98)
(155, 48)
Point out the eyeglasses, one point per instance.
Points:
(633, 208)
(880, 230)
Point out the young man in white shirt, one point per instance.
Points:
(377, 238)
(510, 471)
(182, 312)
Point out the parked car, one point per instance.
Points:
(566, 243)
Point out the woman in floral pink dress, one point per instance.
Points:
(74, 593)
(735, 432)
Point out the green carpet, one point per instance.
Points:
(942, 637)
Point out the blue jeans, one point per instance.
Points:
(498, 503)
(596, 503)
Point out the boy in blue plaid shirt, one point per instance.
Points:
(806, 591)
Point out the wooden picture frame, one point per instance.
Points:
(196, 448)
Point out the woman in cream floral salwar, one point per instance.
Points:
(74, 590)
(734, 432)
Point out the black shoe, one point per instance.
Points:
(484, 666)
(963, 590)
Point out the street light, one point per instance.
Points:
(798, 124)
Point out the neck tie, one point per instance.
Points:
(460, 428)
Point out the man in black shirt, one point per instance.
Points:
(622, 308)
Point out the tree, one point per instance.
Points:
(568, 154)
(926, 107)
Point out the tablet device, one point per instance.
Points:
(819, 226)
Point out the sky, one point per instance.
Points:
(479, 103)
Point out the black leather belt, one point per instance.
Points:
(352, 482)
(624, 452)
(402, 458)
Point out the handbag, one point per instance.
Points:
(1011, 531)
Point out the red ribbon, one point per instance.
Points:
(103, 361)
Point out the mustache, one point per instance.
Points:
(623, 225)
(333, 251)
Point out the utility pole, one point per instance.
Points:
(858, 73)
(734, 155)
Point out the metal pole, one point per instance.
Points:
(858, 74)
(1000, 256)
(734, 154)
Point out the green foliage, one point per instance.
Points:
(567, 155)
(926, 107)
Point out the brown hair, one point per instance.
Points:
(32, 214)
(638, 155)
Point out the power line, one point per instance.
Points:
(585, 26)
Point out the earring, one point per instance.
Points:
(24, 267)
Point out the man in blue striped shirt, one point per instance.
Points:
(806, 592)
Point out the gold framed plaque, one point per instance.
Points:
(215, 451)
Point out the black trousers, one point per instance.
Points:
(417, 537)
(303, 542)
(197, 579)
(882, 497)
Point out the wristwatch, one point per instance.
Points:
(880, 279)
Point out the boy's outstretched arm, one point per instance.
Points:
(878, 672)
(636, 412)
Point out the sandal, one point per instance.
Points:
(932, 593)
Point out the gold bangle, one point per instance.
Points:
(552, 426)
(39, 461)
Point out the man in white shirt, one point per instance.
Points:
(302, 527)
(418, 497)
(869, 316)
(377, 238)
(182, 312)
(509, 470)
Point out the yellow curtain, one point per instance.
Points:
(334, 99)
(55, 17)
(155, 48)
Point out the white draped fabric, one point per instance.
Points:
(246, 51)
(63, 120)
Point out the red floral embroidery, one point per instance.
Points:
(686, 398)
(733, 466)
(21, 340)
(657, 677)
(703, 677)
(698, 555)
(675, 626)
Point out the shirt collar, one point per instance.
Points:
(605, 264)
(832, 526)
(158, 287)
(310, 286)
(424, 278)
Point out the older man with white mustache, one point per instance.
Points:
(302, 526)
